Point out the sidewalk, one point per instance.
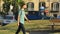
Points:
(44, 32)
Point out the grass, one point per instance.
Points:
(34, 25)
(6, 32)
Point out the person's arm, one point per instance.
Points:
(18, 19)
(26, 18)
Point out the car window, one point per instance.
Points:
(9, 17)
(1, 17)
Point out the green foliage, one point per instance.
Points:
(19, 1)
(2, 13)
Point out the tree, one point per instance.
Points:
(19, 1)
(6, 6)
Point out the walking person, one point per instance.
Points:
(41, 11)
(21, 16)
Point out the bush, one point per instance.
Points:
(2, 13)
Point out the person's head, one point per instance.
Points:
(23, 5)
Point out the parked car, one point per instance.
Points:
(58, 17)
(1, 19)
(9, 19)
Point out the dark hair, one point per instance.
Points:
(22, 3)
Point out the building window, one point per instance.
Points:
(59, 6)
(30, 6)
(42, 4)
(55, 6)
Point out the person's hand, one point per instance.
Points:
(18, 24)
(29, 21)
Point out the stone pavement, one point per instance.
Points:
(44, 32)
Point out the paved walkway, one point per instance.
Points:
(44, 32)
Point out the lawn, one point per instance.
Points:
(33, 25)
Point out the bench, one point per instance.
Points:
(54, 22)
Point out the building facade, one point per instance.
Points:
(53, 6)
(1, 5)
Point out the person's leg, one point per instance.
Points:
(42, 14)
(23, 29)
(18, 30)
(39, 12)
